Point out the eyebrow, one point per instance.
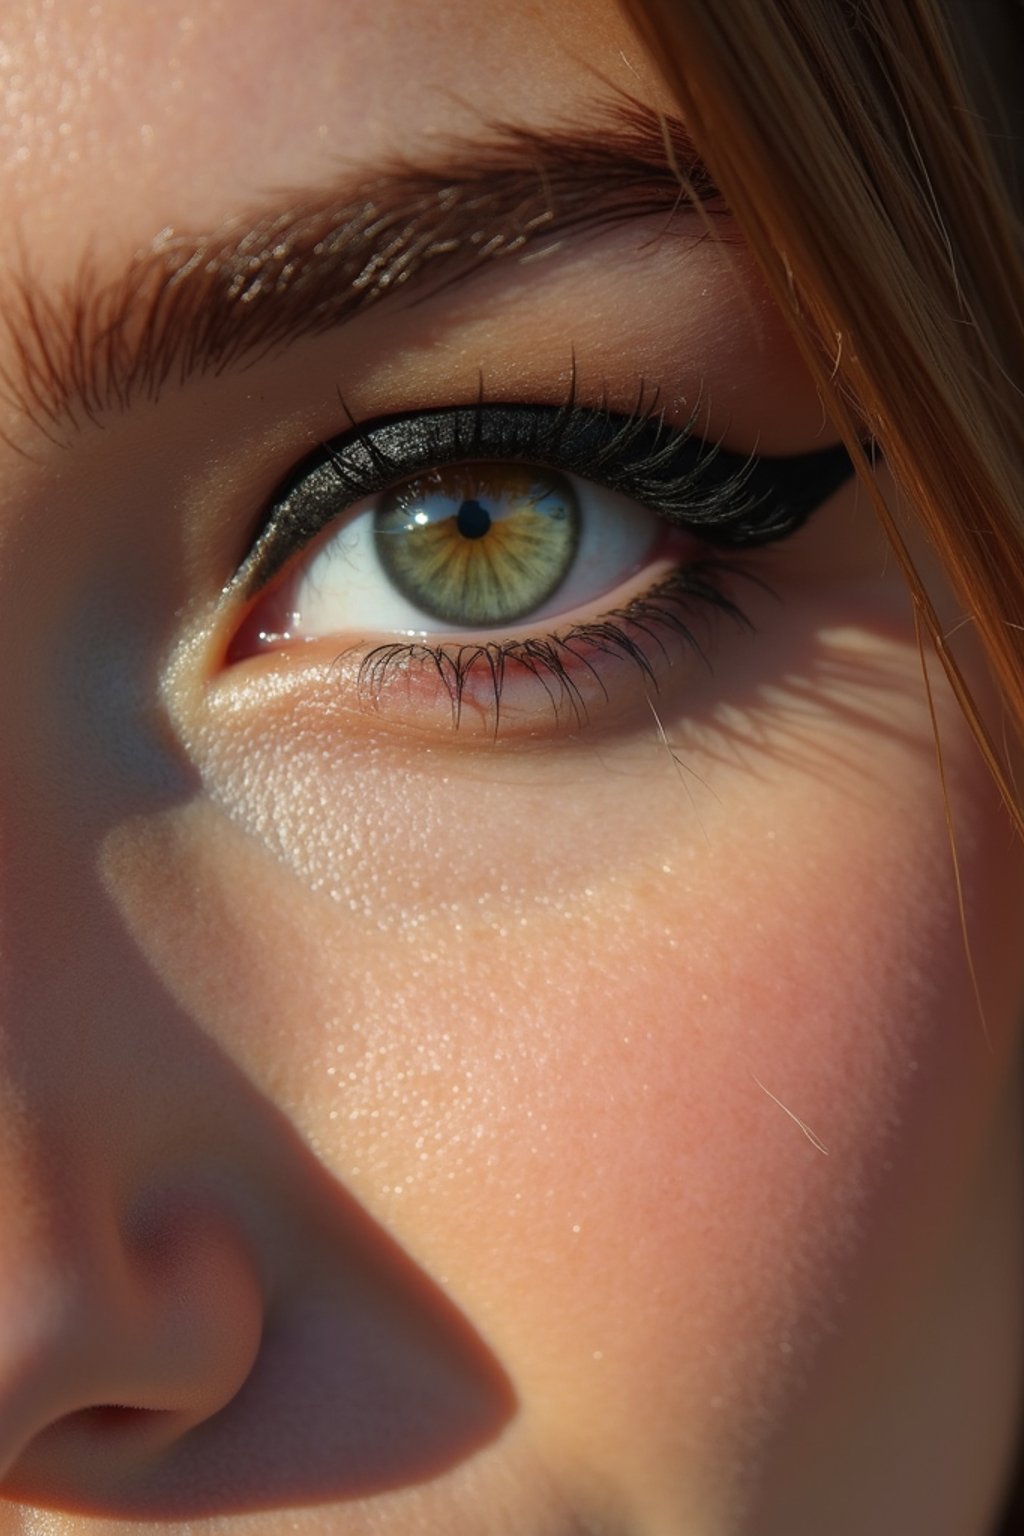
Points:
(305, 263)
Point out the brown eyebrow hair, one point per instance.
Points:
(305, 263)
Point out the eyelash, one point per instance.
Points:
(549, 658)
(728, 501)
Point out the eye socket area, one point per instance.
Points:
(478, 549)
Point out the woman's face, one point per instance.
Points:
(529, 1080)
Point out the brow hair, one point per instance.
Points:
(306, 263)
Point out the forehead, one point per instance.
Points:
(119, 119)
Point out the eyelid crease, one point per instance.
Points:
(725, 498)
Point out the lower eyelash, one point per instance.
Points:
(664, 612)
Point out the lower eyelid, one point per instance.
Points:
(537, 685)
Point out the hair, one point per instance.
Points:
(867, 151)
(871, 152)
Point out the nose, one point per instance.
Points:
(119, 1331)
(131, 1297)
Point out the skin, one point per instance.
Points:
(554, 1129)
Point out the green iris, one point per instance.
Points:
(479, 545)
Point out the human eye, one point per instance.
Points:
(502, 561)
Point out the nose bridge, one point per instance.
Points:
(56, 983)
(82, 748)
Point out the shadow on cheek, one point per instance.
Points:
(367, 1380)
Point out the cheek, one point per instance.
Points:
(647, 1068)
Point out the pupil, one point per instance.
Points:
(473, 520)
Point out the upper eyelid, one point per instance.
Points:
(634, 454)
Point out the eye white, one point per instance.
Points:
(340, 586)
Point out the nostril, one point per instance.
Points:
(107, 1426)
(89, 1448)
(104, 1367)
(112, 1418)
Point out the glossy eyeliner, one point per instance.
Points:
(728, 500)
